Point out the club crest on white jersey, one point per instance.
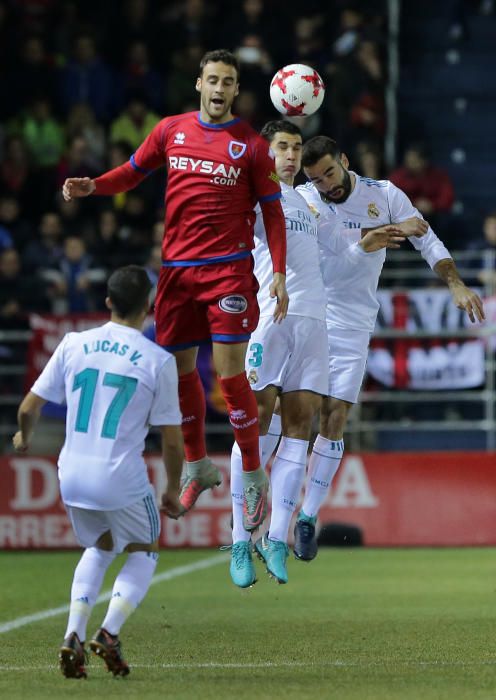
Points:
(373, 210)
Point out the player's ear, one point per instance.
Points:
(236, 92)
(108, 303)
(344, 161)
(198, 85)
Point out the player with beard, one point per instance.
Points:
(352, 303)
(218, 169)
(289, 362)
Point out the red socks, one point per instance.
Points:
(193, 407)
(243, 416)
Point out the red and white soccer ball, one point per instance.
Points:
(297, 90)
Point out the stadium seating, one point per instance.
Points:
(447, 88)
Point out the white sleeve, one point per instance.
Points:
(336, 239)
(429, 246)
(259, 228)
(50, 385)
(165, 407)
(354, 254)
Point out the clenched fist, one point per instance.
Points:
(77, 187)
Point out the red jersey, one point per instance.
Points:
(216, 175)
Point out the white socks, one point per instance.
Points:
(286, 479)
(324, 463)
(86, 584)
(130, 587)
(239, 534)
(269, 441)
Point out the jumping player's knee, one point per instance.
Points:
(298, 430)
(297, 423)
(264, 418)
(186, 360)
(263, 424)
(266, 399)
(336, 419)
(229, 359)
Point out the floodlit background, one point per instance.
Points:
(410, 96)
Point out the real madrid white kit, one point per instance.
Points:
(115, 383)
(351, 289)
(291, 355)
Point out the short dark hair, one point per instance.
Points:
(220, 55)
(277, 125)
(318, 147)
(128, 289)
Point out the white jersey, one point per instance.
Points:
(115, 383)
(352, 289)
(303, 276)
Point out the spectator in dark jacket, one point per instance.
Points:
(46, 249)
(87, 78)
(19, 293)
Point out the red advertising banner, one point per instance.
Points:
(397, 499)
(48, 331)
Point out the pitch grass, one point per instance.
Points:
(357, 624)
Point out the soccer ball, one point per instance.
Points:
(297, 90)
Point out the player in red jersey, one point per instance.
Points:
(218, 169)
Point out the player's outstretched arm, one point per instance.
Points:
(173, 456)
(120, 179)
(278, 290)
(27, 417)
(414, 226)
(382, 237)
(463, 297)
(77, 187)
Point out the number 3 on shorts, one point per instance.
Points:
(256, 352)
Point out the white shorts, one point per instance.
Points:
(139, 523)
(348, 350)
(291, 355)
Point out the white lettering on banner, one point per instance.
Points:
(36, 531)
(8, 531)
(454, 365)
(24, 469)
(193, 530)
(352, 486)
(428, 310)
(457, 364)
(431, 363)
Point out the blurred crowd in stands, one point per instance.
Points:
(82, 83)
